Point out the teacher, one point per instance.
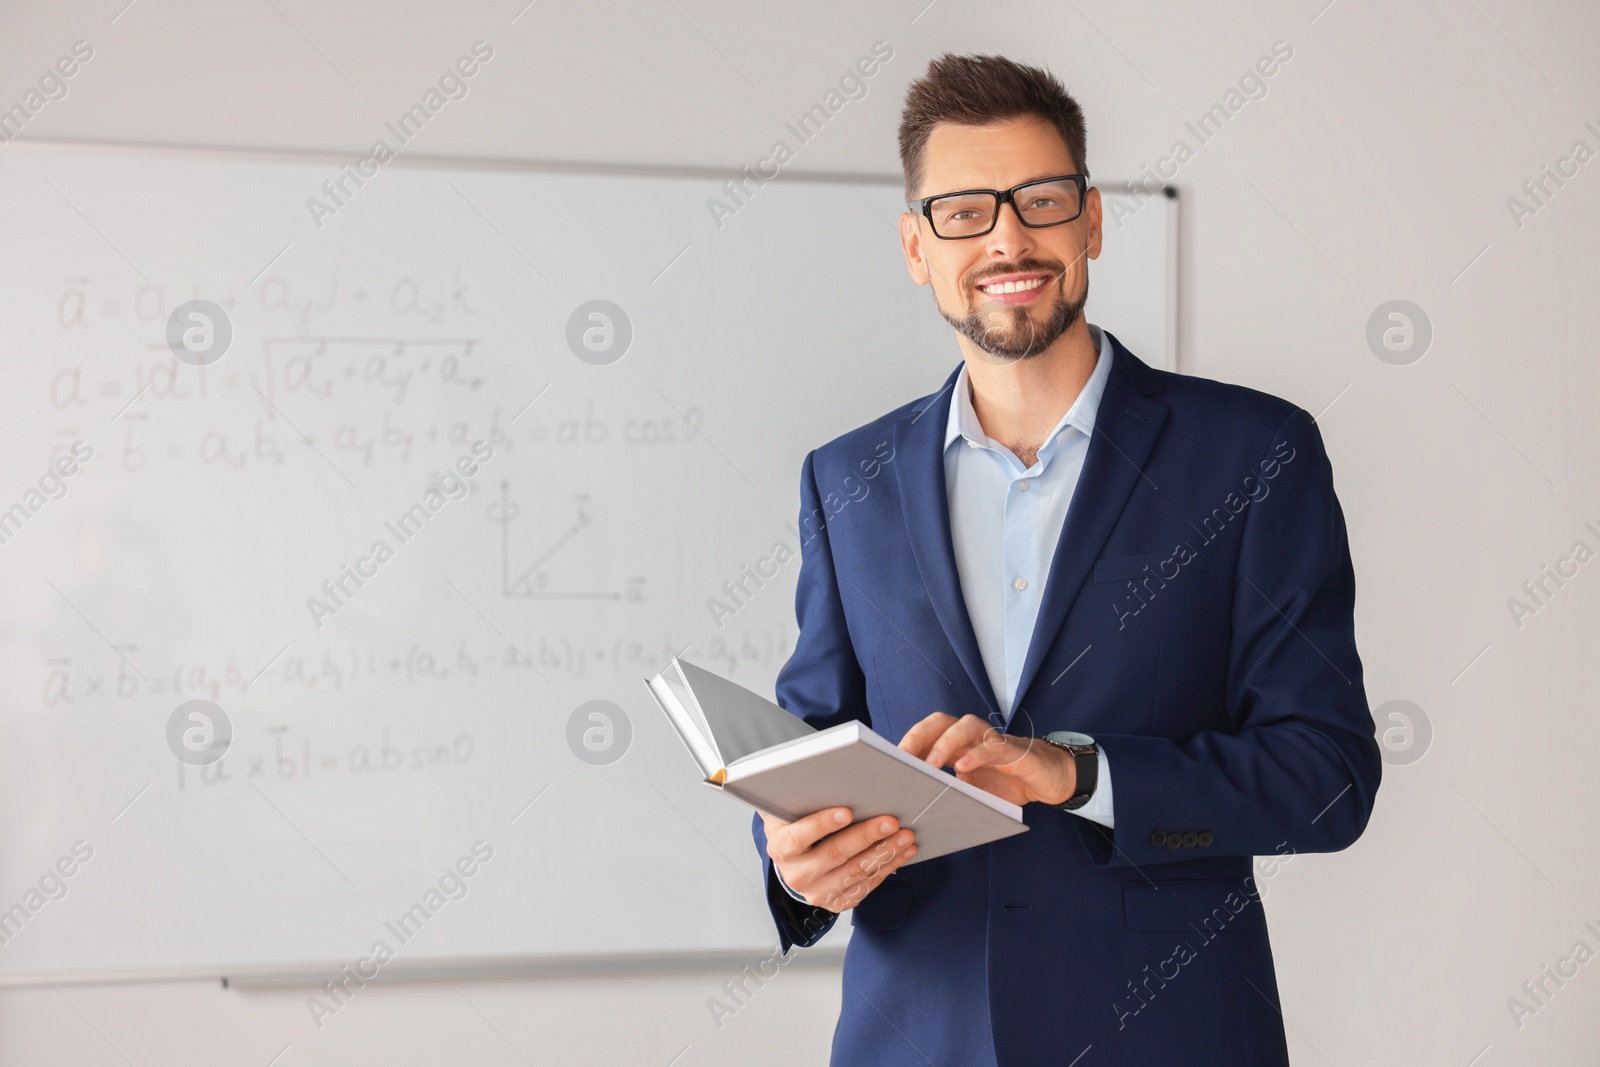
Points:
(1083, 571)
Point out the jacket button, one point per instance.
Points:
(1206, 839)
(1174, 840)
(1191, 839)
(1158, 838)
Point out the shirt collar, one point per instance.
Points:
(963, 420)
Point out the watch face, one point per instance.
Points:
(1070, 737)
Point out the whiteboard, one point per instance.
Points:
(425, 738)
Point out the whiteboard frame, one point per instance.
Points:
(266, 975)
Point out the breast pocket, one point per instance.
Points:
(1162, 565)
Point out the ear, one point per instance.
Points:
(1091, 213)
(911, 244)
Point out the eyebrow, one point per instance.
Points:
(1002, 188)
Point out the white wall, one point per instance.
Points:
(1378, 166)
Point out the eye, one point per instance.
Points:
(952, 213)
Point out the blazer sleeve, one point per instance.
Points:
(1302, 765)
(822, 683)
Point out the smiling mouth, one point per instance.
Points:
(1022, 285)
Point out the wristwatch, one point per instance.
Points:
(1087, 754)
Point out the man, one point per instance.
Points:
(1081, 570)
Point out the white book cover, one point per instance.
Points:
(751, 749)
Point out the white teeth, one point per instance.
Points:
(1013, 287)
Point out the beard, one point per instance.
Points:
(1008, 333)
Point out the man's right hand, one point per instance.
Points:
(832, 863)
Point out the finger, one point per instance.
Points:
(802, 834)
(845, 857)
(842, 850)
(917, 739)
(1004, 786)
(847, 889)
(889, 859)
(967, 732)
(996, 750)
(887, 854)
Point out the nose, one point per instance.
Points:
(1009, 239)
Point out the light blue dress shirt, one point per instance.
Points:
(1005, 521)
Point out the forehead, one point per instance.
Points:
(995, 156)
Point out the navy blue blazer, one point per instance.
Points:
(1198, 621)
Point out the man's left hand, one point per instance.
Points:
(1018, 769)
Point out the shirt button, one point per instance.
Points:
(1020, 584)
(1023, 485)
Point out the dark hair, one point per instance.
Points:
(978, 90)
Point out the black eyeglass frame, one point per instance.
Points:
(1002, 198)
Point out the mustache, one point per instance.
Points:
(1026, 266)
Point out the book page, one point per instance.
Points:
(740, 722)
(671, 694)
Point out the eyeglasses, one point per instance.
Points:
(973, 212)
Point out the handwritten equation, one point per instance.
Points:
(333, 368)
(388, 432)
(289, 759)
(69, 683)
(81, 306)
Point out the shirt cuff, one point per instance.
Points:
(779, 875)
(1098, 807)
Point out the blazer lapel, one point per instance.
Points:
(1125, 429)
(919, 471)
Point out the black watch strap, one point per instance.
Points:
(1086, 754)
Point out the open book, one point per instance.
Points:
(753, 750)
